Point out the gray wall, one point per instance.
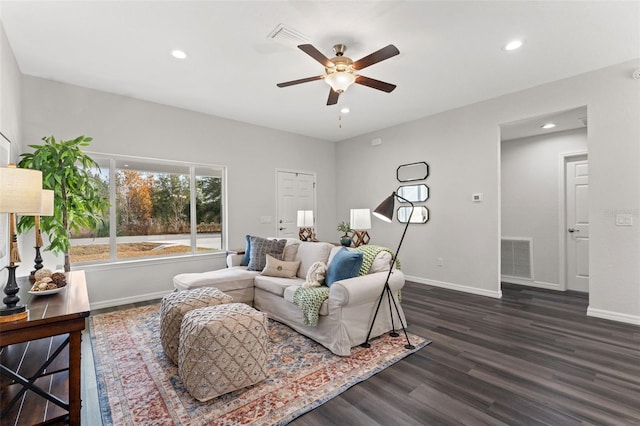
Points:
(462, 146)
(133, 127)
(530, 195)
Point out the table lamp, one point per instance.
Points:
(20, 192)
(46, 209)
(305, 223)
(360, 222)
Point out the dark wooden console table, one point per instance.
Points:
(40, 357)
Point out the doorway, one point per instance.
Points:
(295, 190)
(544, 180)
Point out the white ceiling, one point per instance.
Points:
(450, 53)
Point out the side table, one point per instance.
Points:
(39, 353)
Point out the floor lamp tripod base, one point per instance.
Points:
(387, 290)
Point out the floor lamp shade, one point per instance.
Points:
(385, 210)
(20, 190)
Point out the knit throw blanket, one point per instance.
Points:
(369, 253)
(310, 300)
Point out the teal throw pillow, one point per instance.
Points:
(247, 252)
(345, 264)
(260, 248)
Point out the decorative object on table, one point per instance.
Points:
(46, 209)
(80, 198)
(46, 281)
(20, 192)
(385, 212)
(125, 344)
(344, 227)
(412, 171)
(360, 222)
(305, 223)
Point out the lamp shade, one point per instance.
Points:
(305, 218)
(385, 210)
(360, 219)
(20, 190)
(46, 205)
(340, 80)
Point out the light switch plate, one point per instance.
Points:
(476, 198)
(624, 219)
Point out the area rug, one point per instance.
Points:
(138, 385)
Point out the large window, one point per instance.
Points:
(158, 208)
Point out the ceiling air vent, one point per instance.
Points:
(287, 36)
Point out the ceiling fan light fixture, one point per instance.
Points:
(340, 80)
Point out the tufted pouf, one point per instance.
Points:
(222, 348)
(173, 308)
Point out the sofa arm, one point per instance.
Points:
(234, 260)
(364, 289)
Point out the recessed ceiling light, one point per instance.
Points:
(548, 126)
(178, 54)
(513, 45)
(345, 110)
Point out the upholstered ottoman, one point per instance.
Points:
(173, 308)
(222, 348)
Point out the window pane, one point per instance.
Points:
(93, 245)
(152, 207)
(208, 209)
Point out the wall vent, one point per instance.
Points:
(517, 257)
(287, 36)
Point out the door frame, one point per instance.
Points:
(315, 200)
(563, 159)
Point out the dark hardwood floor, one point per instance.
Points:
(530, 358)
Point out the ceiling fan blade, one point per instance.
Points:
(316, 54)
(302, 80)
(333, 97)
(377, 56)
(376, 84)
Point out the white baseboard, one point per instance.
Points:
(126, 300)
(457, 287)
(531, 283)
(614, 316)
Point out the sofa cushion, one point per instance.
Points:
(275, 285)
(290, 291)
(290, 250)
(260, 247)
(227, 279)
(345, 264)
(310, 253)
(280, 268)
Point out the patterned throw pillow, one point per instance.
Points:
(260, 248)
(280, 268)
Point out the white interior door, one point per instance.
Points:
(577, 220)
(296, 191)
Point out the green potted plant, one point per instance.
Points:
(345, 227)
(79, 196)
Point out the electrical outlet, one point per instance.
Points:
(440, 261)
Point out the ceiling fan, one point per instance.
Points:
(340, 71)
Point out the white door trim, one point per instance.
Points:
(563, 158)
(315, 201)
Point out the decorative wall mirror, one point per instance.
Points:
(420, 214)
(412, 171)
(414, 193)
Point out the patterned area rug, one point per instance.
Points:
(138, 385)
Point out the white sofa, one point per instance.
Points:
(345, 317)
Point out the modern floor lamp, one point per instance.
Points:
(20, 192)
(385, 212)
